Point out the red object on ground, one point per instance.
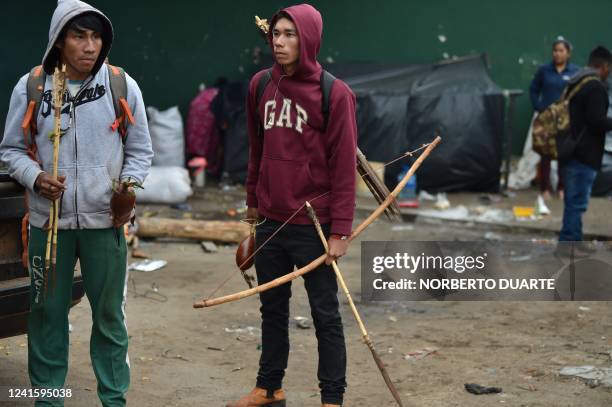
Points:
(409, 204)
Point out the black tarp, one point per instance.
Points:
(400, 107)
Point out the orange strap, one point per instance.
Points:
(115, 124)
(126, 117)
(24, 234)
(28, 125)
(122, 121)
(127, 111)
(119, 123)
(27, 122)
(24, 239)
(32, 152)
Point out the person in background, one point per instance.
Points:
(546, 87)
(589, 123)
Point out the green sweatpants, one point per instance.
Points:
(102, 254)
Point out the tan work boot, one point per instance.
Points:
(330, 405)
(258, 398)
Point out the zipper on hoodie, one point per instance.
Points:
(76, 166)
(76, 152)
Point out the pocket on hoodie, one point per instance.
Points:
(42, 205)
(287, 183)
(39, 204)
(94, 190)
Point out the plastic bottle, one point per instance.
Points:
(408, 197)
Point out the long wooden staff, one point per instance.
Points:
(59, 86)
(318, 261)
(364, 333)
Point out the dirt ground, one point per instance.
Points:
(186, 357)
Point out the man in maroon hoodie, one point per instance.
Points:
(294, 157)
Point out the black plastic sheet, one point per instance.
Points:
(400, 108)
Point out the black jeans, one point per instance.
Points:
(298, 245)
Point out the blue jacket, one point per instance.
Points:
(548, 84)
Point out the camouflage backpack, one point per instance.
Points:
(554, 122)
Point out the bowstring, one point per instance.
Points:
(404, 155)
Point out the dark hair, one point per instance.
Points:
(600, 56)
(282, 14)
(561, 40)
(82, 22)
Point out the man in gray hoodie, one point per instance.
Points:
(92, 154)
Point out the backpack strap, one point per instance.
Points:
(261, 87)
(25, 240)
(262, 84)
(327, 81)
(36, 83)
(568, 95)
(34, 90)
(123, 113)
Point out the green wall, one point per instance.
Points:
(171, 47)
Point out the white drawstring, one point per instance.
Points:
(278, 85)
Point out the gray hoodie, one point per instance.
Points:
(91, 153)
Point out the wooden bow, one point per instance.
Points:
(319, 260)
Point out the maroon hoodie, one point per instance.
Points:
(295, 160)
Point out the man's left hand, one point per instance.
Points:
(121, 220)
(337, 249)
